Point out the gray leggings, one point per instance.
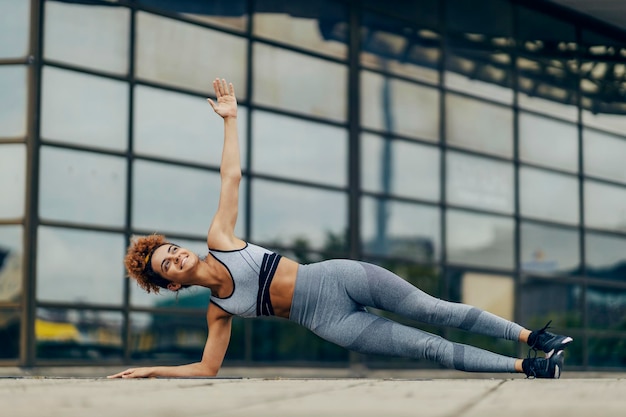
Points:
(330, 299)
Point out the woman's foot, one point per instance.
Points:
(544, 367)
(548, 342)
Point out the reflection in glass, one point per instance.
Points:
(78, 334)
(318, 25)
(479, 126)
(13, 100)
(547, 66)
(79, 266)
(479, 240)
(66, 116)
(399, 107)
(399, 167)
(548, 196)
(193, 297)
(188, 56)
(400, 48)
(287, 215)
(275, 85)
(604, 206)
(606, 308)
(11, 264)
(299, 149)
(231, 14)
(10, 333)
(14, 29)
(604, 155)
(546, 250)
(182, 127)
(535, 132)
(167, 336)
(87, 35)
(168, 198)
(12, 180)
(82, 187)
(606, 256)
(479, 183)
(601, 82)
(398, 229)
(607, 352)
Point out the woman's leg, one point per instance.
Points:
(385, 290)
(368, 333)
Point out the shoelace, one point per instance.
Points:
(539, 333)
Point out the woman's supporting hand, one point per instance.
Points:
(133, 373)
(226, 101)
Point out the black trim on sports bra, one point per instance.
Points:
(231, 278)
(228, 251)
(266, 274)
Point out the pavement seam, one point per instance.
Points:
(277, 400)
(474, 402)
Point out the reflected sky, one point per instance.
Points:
(13, 100)
(14, 28)
(12, 180)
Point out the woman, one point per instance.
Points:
(329, 298)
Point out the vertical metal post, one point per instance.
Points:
(126, 327)
(354, 163)
(31, 221)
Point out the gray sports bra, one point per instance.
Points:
(251, 269)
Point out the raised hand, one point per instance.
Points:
(226, 101)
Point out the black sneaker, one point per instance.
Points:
(548, 342)
(544, 367)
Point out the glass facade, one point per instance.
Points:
(476, 152)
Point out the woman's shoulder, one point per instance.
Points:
(224, 243)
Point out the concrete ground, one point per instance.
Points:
(293, 392)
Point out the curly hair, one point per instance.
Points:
(139, 250)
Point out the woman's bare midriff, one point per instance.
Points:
(282, 287)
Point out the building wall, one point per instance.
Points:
(477, 151)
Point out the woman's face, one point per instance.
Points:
(174, 263)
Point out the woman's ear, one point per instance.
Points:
(172, 286)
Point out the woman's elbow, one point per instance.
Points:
(231, 174)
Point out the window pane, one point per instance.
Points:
(548, 142)
(400, 229)
(12, 180)
(604, 206)
(548, 250)
(607, 352)
(179, 126)
(165, 336)
(10, 333)
(547, 107)
(317, 153)
(13, 100)
(79, 266)
(66, 117)
(318, 25)
(479, 126)
(11, 266)
(606, 256)
(82, 187)
(193, 297)
(399, 167)
(14, 29)
(543, 300)
(480, 240)
(168, 198)
(479, 182)
(604, 155)
(548, 196)
(188, 56)
(287, 215)
(78, 334)
(275, 85)
(228, 13)
(399, 107)
(606, 308)
(395, 46)
(88, 35)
